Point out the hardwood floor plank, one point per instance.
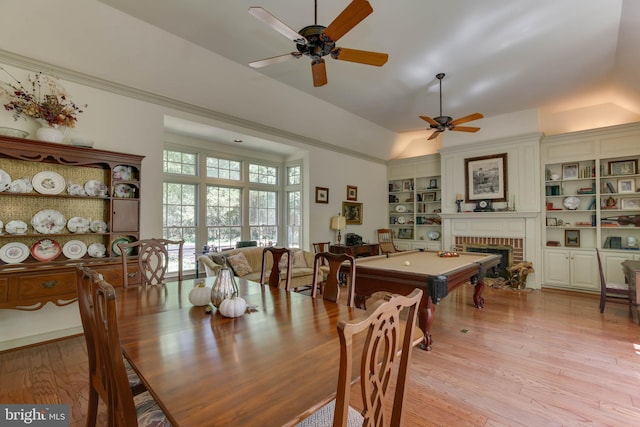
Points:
(542, 358)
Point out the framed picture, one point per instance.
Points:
(570, 171)
(405, 233)
(630, 203)
(322, 195)
(406, 185)
(429, 197)
(352, 192)
(433, 183)
(572, 238)
(486, 178)
(552, 222)
(623, 167)
(627, 185)
(352, 212)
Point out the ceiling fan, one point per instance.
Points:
(442, 123)
(316, 41)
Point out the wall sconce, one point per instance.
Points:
(338, 223)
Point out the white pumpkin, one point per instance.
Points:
(232, 307)
(200, 295)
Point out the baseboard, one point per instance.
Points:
(40, 338)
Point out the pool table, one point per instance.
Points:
(402, 272)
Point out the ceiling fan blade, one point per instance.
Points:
(465, 128)
(319, 72)
(276, 24)
(434, 135)
(360, 56)
(351, 16)
(274, 60)
(429, 120)
(465, 119)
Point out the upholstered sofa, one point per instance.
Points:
(301, 268)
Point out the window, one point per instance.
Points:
(217, 201)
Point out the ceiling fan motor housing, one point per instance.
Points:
(318, 44)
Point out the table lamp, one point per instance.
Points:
(338, 223)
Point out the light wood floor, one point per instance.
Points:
(535, 358)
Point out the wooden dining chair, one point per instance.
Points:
(618, 293)
(319, 247)
(97, 379)
(153, 259)
(387, 352)
(385, 241)
(275, 277)
(330, 288)
(109, 377)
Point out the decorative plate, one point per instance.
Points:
(124, 191)
(77, 224)
(433, 235)
(14, 252)
(76, 190)
(401, 220)
(22, 185)
(46, 250)
(5, 180)
(48, 182)
(74, 249)
(98, 226)
(571, 202)
(94, 188)
(401, 208)
(16, 227)
(122, 172)
(48, 221)
(116, 250)
(97, 250)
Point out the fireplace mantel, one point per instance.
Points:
(490, 215)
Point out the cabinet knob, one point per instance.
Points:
(132, 274)
(49, 284)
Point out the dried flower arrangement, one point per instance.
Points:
(46, 100)
(519, 273)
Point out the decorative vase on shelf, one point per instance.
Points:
(49, 133)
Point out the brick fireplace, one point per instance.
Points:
(512, 247)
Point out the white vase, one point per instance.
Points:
(49, 133)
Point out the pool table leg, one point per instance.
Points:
(425, 319)
(478, 300)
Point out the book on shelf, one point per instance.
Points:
(611, 188)
(592, 205)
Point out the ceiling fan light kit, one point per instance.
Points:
(316, 41)
(442, 123)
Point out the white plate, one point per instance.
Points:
(433, 235)
(94, 188)
(48, 182)
(76, 190)
(401, 208)
(97, 250)
(124, 191)
(98, 226)
(571, 202)
(5, 180)
(48, 221)
(122, 172)
(14, 252)
(22, 185)
(402, 220)
(77, 224)
(74, 249)
(16, 227)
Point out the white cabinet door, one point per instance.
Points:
(403, 246)
(556, 267)
(612, 264)
(584, 270)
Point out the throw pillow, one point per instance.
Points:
(239, 264)
(298, 260)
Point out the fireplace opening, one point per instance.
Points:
(505, 251)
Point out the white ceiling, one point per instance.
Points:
(499, 56)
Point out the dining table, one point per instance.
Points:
(275, 365)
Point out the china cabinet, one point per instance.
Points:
(62, 205)
(591, 200)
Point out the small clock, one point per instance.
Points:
(483, 206)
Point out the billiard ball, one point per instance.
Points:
(407, 263)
